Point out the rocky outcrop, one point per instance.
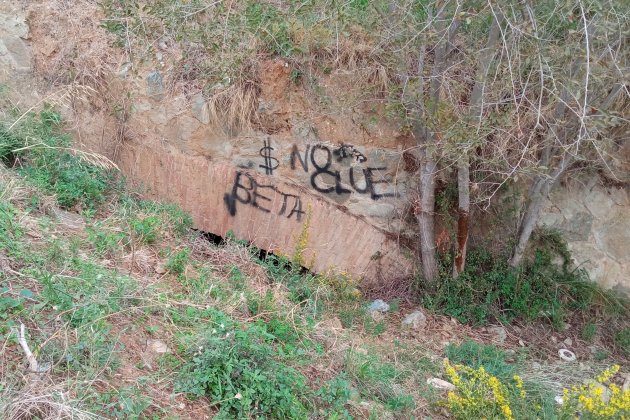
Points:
(595, 221)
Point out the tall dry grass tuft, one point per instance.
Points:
(233, 109)
(60, 98)
(40, 399)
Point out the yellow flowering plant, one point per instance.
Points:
(479, 394)
(599, 399)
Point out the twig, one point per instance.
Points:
(33, 366)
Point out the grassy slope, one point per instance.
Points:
(131, 314)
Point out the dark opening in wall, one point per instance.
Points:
(260, 254)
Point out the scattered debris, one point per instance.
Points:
(415, 320)
(567, 355)
(441, 384)
(33, 366)
(378, 305)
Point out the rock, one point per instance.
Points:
(157, 346)
(14, 25)
(15, 53)
(123, 71)
(378, 305)
(68, 219)
(614, 236)
(415, 320)
(499, 333)
(160, 269)
(568, 342)
(155, 85)
(200, 109)
(441, 384)
(578, 227)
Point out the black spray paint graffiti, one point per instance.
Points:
(348, 151)
(271, 163)
(248, 191)
(320, 158)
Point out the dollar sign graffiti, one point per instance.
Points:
(271, 162)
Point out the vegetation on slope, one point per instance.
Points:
(131, 314)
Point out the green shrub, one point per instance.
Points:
(48, 162)
(622, 340)
(177, 219)
(490, 289)
(333, 397)
(177, 262)
(378, 380)
(8, 143)
(239, 371)
(146, 229)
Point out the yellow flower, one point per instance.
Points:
(519, 385)
(608, 373)
(507, 412)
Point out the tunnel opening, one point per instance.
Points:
(259, 254)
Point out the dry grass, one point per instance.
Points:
(233, 109)
(40, 398)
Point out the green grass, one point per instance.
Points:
(43, 155)
(241, 348)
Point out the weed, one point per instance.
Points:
(146, 229)
(479, 394)
(599, 399)
(588, 331)
(240, 373)
(622, 340)
(50, 164)
(178, 261)
(333, 396)
(476, 355)
(490, 289)
(106, 242)
(377, 379)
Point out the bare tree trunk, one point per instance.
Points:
(463, 169)
(538, 192)
(425, 209)
(426, 220)
(463, 212)
(543, 184)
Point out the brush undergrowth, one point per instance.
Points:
(42, 152)
(92, 299)
(491, 290)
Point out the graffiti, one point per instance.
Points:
(321, 160)
(271, 163)
(325, 170)
(348, 151)
(247, 191)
